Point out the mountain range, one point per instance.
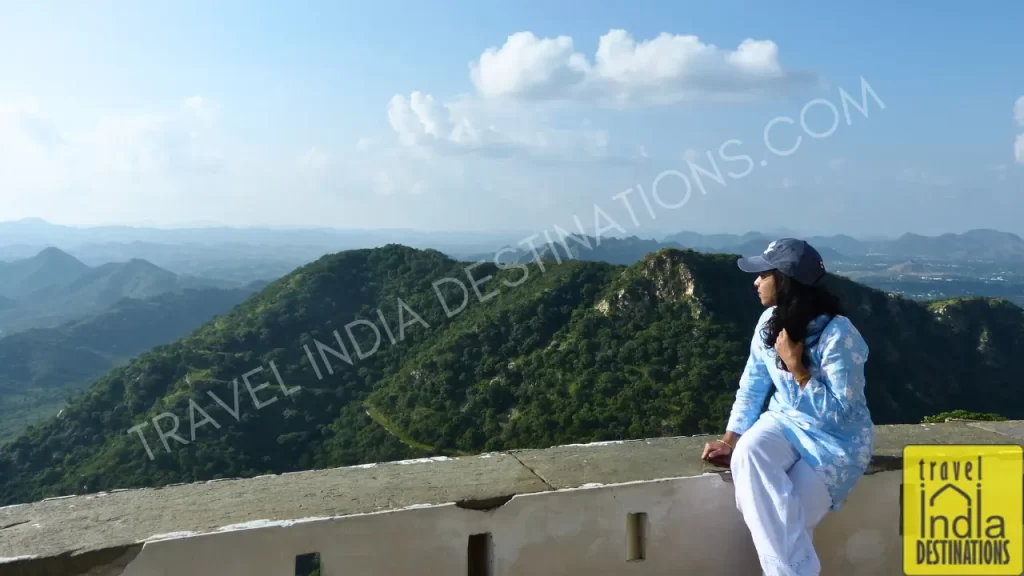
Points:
(389, 353)
(266, 253)
(54, 287)
(41, 367)
(980, 244)
(974, 245)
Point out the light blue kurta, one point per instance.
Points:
(828, 422)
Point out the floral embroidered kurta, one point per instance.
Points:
(828, 422)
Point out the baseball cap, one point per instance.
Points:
(794, 258)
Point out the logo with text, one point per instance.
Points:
(963, 509)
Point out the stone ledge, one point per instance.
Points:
(77, 525)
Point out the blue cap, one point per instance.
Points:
(794, 258)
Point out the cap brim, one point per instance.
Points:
(755, 264)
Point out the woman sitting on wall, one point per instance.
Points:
(799, 459)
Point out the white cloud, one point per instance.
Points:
(664, 70)
(1018, 111)
(467, 126)
(418, 118)
(528, 67)
(1018, 149)
(168, 143)
(313, 161)
(122, 162)
(509, 115)
(315, 171)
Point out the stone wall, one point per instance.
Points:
(644, 507)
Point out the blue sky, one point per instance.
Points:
(369, 114)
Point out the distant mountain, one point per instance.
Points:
(576, 247)
(627, 251)
(576, 352)
(718, 242)
(841, 244)
(34, 232)
(49, 269)
(979, 245)
(990, 245)
(231, 262)
(39, 368)
(54, 287)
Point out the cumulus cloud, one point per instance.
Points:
(508, 115)
(472, 127)
(664, 70)
(418, 118)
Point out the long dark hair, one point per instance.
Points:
(795, 306)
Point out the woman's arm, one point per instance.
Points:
(755, 382)
(831, 397)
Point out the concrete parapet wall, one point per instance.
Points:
(691, 527)
(644, 507)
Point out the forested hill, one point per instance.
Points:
(42, 366)
(571, 352)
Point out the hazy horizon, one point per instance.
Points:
(476, 234)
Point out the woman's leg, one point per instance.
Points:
(814, 495)
(773, 505)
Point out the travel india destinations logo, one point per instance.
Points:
(963, 510)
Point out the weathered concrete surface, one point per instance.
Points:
(91, 522)
(616, 462)
(72, 527)
(1013, 429)
(890, 440)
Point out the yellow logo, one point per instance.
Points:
(963, 509)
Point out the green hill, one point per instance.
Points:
(573, 352)
(53, 288)
(39, 368)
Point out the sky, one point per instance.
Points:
(862, 118)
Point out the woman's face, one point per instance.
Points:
(765, 284)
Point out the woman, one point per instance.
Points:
(798, 460)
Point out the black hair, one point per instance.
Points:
(796, 305)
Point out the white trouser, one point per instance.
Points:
(781, 499)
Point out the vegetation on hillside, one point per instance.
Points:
(39, 368)
(545, 354)
(963, 415)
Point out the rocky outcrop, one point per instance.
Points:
(661, 277)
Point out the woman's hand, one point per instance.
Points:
(717, 452)
(792, 353)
